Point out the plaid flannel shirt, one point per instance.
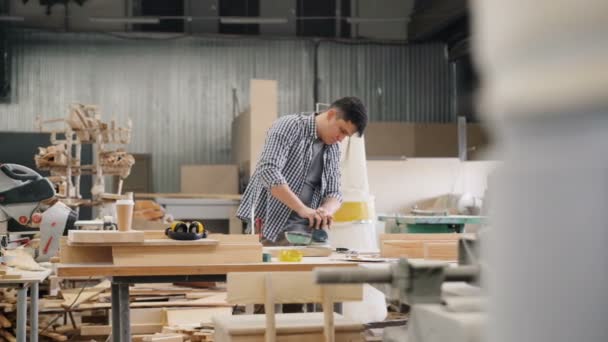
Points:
(285, 159)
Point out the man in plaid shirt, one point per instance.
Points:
(296, 183)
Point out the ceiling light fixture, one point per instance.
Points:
(354, 20)
(178, 17)
(125, 20)
(252, 20)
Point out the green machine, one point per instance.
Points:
(429, 224)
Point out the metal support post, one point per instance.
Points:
(34, 312)
(462, 138)
(115, 313)
(121, 325)
(21, 313)
(123, 309)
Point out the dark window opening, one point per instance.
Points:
(5, 66)
(239, 8)
(317, 18)
(466, 83)
(163, 8)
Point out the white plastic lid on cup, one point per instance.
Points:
(124, 202)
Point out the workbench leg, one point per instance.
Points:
(115, 313)
(121, 325)
(21, 313)
(34, 312)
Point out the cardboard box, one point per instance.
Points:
(389, 139)
(210, 179)
(250, 127)
(393, 140)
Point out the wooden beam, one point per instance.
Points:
(441, 251)
(151, 242)
(303, 325)
(108, 269)
(402, 249)
(421, 237)
(411, 245)
(194, 317)
(289, 287)
(164, 338)
(328, 316)
(100, 330)
(74, 297)
(188, 255)
(83, 255)
(271, 330)
(105, 236)
(4, 322)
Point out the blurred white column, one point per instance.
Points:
(544, 68)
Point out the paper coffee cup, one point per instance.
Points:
(124, 214)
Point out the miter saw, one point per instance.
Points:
(25, 206)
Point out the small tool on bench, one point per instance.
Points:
(298, 238)
(186, 230)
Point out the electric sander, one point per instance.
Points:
(299, 238)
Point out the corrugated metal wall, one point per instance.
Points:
(396, 82)
(178, 92)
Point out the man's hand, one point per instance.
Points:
(314, 218)
(326, 218)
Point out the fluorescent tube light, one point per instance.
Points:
(11, 18)
(125, 20)
(252, 20)
(353, 20)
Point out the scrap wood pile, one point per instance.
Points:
(158, 312)
(117, 162)
(148, 210)
(8, 299)
(53, 156)
(8, 319)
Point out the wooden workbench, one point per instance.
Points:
(123, 276)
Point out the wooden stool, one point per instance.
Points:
(287, 287)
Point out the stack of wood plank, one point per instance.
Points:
(117, 162)
(54, 155)
(158, 312)
(8, 320)
(8, 298)
(420, 246)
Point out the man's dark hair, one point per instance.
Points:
(353, 110)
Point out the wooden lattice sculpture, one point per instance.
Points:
(62, 159)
